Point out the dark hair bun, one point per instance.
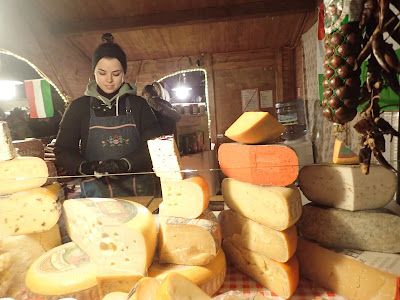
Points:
(107, 38)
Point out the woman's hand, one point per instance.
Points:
(113, 166)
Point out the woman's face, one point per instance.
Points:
(109, 74)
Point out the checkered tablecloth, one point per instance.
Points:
(306, 290)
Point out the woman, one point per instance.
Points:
(106, 131)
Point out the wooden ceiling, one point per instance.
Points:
(167, 28)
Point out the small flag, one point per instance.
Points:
(40, 102)
(320, 51)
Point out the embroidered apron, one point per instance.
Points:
(114, 137)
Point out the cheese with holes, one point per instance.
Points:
(146, 288)
(24, 250)
(259, 164)
(165, 156)
(186, 198)
(7, 150)
(346, 187)
(63, 272)
(255, 127)
(119, 282)
(273, 206)
(118, 235)
(343, 154)
(176, 286)
(361, 230)
(280, 278)
(189, 241)
(209, 277)
(359, 275)
(21, 174)
(35, 210)
(245, 233)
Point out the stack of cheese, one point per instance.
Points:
(28, 213)
(259, 233)
(346, 212)
(189, 233)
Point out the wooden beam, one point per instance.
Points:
(278, 76)
(257, 9)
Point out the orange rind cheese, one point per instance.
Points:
(255, 127)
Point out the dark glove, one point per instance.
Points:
(113, 166)
(88, 167)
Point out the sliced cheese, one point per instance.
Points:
(209, 277)
(259, 164)
(186, 198)
(189, 241)
(109, 283)
(25, 249)
(118, 235)
(346, 187)
(245, 233)
(280, 278)
(343, 154)
(359, 275)
(146, 288)
(165, 156)
(7, 150)
(21, 174)
(35, 210)
(255, 127)
(63, 272)
(273, 206)
(362, 230)
(176, 286)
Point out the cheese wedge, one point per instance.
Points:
(146, 288)
(362, 230)
(63, 272)
(35, 210)
(280, 278)
(245, 233)
(255, 127)
(359, 275)
(7, 149)
(346, 187)
(118, 235)
(176, 286)
(343, 154)
(119, 282)
(273, 206)
(259, 164)
(186, 198)
(209, 277)
(165, 157)
(21, 174)
(189, 241)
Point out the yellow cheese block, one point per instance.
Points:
(359, 275)
(186, 198)
(109, 283)
(63, 272)
(245, 233)
(189, 241)
(343, 154)
(165, 157)
(146, 288)
(176, 286)
(209, 277)
(255, 127)
(273, 206)
(280, 278)
(118, 235)
(35, 210)
(21, 174)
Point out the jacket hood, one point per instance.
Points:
(126, 88)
